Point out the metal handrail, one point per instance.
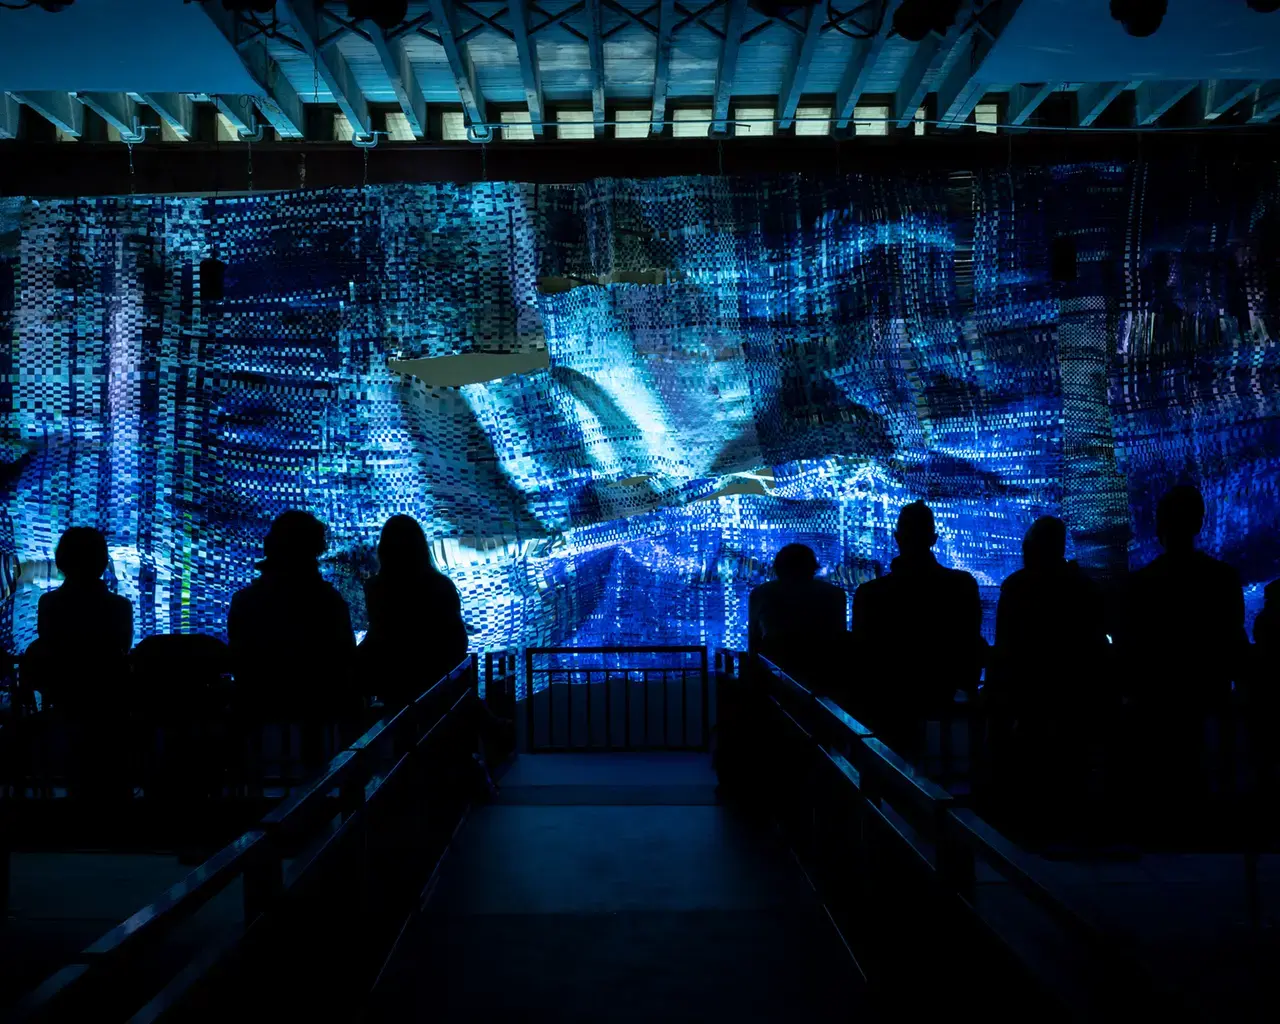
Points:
(257, 856)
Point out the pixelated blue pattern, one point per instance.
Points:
(734, 364)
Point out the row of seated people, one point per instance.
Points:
(1166, 647)
(291, 648)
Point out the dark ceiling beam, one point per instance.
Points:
(1266, 104)
(1023, 100)
(175, 109)
(460, 66)
(10, 114)
(662, 66)
(1154, 99)
(1220, 95)
(527, 54)
(735, 19)
(798, 71)
(118, 110)
(60, 109)
(330, 65)
(276, 98)
(862, 61)
(404, 81)
(929, 57)
(964, 83)
(41, 169)
(595, 52)
(1093, 98)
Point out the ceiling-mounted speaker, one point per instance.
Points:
(1139, 17)
(1062, 259)
(781, 8)
(212, 278)
(1265, 6)
(386, 14)
(915, 19)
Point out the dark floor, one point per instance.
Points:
(613, 888)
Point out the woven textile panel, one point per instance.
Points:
(722, 365)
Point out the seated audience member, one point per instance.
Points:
(917, 635)
(798, 621)
(1182, 643)
(84, 631)
(1044, 687)
(416, 633)
(290, 631)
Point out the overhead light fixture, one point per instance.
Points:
(1139, 17)
(386, 14)
(915, 19)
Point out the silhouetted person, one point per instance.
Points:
(290, 635)
(78, 662)
(1045, 688)
(416, 633)
(84, 630)
(1182, 643)
(798, 621)
(917, 635)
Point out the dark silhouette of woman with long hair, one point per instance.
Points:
(416, 633)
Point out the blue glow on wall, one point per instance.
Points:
(816, 354)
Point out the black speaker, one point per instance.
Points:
(1062, 259)
(212, 272)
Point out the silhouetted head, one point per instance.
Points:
(1179, 517)
(403, 548)
(81, 554)
(1045, 544)
(295, 542)
(795, 562)
(915, 533)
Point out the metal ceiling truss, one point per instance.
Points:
(951, 64)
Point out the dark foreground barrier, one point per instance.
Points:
(323, 884)
(939, 908)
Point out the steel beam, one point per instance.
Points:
(862, 61)
(965, 84)
(1154, 99)
(330, 65)
(404, 81)
(798, 72)
(1266, 105)
(464, 72)
(118, 110)
(1094, 98)
(734, 22)
(9, 116)
(175, 109)
(276, 98)
(1024, 99)
(527, 54)
(61, 109)
(1220, 95)
(662, 66)
(595, 52)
